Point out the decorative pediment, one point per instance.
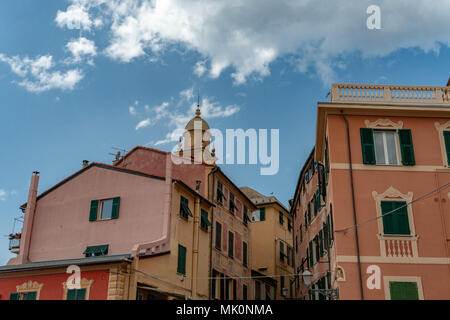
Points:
(442, 126)
(384, 124)
(392, 193)
(30, 286)
(84, 283)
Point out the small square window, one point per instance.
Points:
(107, 207)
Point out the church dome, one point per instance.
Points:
(203, 124)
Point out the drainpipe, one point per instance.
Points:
(349, 150)
(212, 228)
(157, 245)
(28, 220)
(195, 249)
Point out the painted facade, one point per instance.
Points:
(390, 240)
(272, 248)
(151, 210)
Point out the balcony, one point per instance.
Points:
(390, 94)
(14, 242)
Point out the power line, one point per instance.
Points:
(392, 211)
(158, 277)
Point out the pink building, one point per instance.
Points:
(372, 202)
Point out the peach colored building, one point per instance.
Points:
(371, 207)
(272, 248)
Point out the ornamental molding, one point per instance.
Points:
(442, 126)
(340, 274)
(29, 286)
(384, 123)
(391, 192)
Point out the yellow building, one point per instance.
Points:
(272, 250)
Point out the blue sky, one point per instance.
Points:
(255, 66)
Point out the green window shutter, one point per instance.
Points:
(281, 251)
(262, 214)
(181, 259)
(447, 145)
(115, 208)
(403, 291)
(14, 296)
(94, 210)
(81, 294)
(204, 220)
(396, 222)
(244, 253)
(406, 146)
(311, 254)
(321, 243)
(218, 236)
(72, 294)
(367, 146)
(31, 295)
(96, 251)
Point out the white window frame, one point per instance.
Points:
(386, 155)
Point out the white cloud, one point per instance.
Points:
(39, 75)
(80, 48)
(132, 110)
(247, 36)
(143, 124)
(200, 68)
(3, 195)
(75, 17)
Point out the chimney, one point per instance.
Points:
(85, 163)
(28, 220)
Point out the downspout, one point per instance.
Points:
(157, 245)
(28, 220)
(212, 228)
(349, 150)
(195, 249)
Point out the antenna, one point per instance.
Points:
(119, 154)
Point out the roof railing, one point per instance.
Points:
(371, 93)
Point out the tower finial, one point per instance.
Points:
(197, 112)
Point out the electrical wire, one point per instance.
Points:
(392, 211)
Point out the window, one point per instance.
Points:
(218, 236)
(244, 253)
(331, 227)
(282, 286)
(396, 222)
(246, 218)
(30, 295)
(281, 251)
(300, 232)
(181, 267)
(311, 254)
(447, 145)
(296, 243)
(230, 244)
(380, 146)
(220, 195)
(289, 225)
(76, 294)
(184, 208)
(281, 219)
(257, 290)
(95, 251)
(321, 244)
(204, 223)
(215, 284)
(244, 292)
(288, 255)
(259, 215)
(232, 204)
(404, 291)
(385, 147)
(109, 209)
